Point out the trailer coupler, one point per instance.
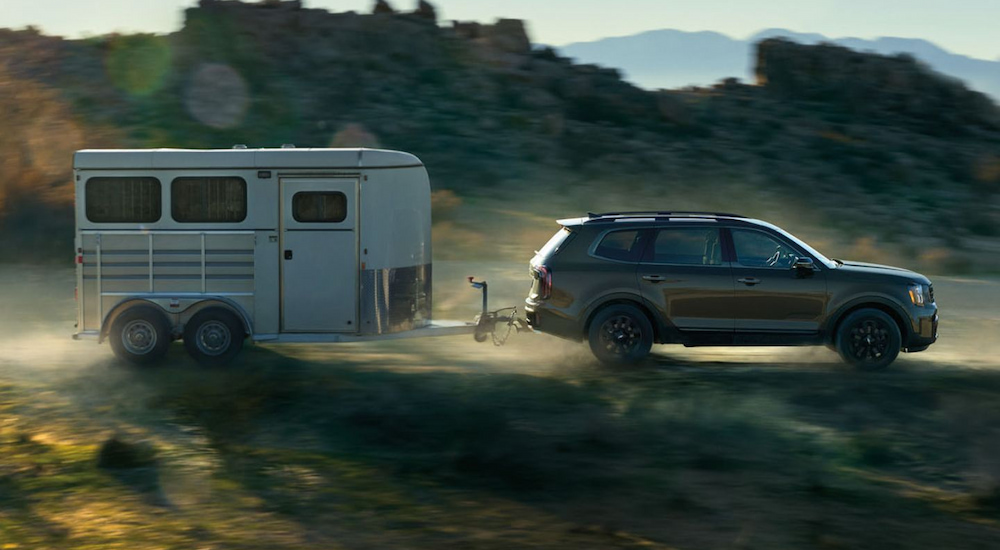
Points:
(498, 324)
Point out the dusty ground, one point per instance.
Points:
(448, 443)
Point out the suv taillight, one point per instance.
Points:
(544, 282)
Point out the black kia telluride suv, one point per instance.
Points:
(626, 280)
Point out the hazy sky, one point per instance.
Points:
(968, 27)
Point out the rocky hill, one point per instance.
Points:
(865, 153)
(671, 58)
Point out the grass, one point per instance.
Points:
(445, 443)
(290, 451)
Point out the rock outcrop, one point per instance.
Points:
(871, 84)
(507, 35)
(425, 10)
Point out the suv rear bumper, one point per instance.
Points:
(551, 321)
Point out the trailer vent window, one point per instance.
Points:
(208, 200)
(319, 207)
(123, 200)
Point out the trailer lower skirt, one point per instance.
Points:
(435, 328)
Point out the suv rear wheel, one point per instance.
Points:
(620, 334)
(868, 339)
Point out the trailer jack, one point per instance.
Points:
(487, 322)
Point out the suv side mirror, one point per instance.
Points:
(803, 263)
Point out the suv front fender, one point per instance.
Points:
(879, 301)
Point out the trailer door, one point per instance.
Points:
(319, 255)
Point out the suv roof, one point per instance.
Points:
(647, 216)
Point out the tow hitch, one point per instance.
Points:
(487, 322)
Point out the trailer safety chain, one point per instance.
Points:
(487, 321)
(501, 340)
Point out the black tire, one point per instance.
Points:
(620, 334)
(214, 336)
(868, 339)
(140, 335)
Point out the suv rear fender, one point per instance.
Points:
(893, 309)
(659, 326)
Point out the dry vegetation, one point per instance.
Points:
(430, 444)
(866, 152)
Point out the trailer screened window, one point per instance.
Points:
(208, 200)
(319, 207)
(123, 200)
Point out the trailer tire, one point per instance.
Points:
(214, 336)
(140, 335)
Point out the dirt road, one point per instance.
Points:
(448, 443)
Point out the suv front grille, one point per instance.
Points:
(930, 293)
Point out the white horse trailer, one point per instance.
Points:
(278, 245)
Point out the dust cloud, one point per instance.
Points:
(39, 315)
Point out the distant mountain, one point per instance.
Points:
(667, 58)
(672, 59)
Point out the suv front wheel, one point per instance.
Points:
(620, 334)
(868, 339)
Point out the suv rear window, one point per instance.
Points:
(623, 246)
(687, 246)
(555, 243)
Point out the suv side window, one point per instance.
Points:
(758, 249)
(686, 246)
(624, 246)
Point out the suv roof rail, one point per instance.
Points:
(660, 213)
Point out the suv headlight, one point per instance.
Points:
(918, 295)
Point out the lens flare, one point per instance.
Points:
(138, 64)
(217, 96)
(355, 135)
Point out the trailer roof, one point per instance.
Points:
(286, 157)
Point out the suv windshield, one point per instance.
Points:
(798, 242)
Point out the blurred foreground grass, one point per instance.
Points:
(445, 443)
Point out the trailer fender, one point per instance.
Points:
(217, 301)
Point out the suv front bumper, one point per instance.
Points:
(925, 332)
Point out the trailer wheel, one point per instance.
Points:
(140, 335)
(214, 336)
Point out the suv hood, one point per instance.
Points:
(864, 267)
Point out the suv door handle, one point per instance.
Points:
(749, 281)
(288, 254)
(654, 278)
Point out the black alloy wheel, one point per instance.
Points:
(620, 334)
(869, 339)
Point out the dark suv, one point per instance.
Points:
(626, 280)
